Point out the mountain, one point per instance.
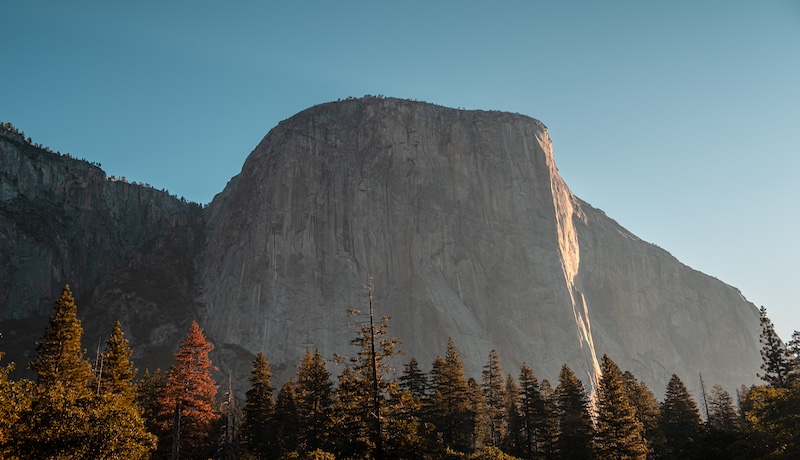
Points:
(459, 219)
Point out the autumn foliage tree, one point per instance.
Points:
(186, 405)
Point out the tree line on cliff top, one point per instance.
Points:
(79, 409)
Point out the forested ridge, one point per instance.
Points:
(104, 409)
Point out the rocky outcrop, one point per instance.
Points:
(459, 218)
(466, 229)
(127, 250)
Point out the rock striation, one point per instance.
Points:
(466, 229)
(459, 218)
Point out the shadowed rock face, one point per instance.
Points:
(459, 218)
(467, 230)
(126, 251)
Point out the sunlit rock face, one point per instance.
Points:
(466, 230)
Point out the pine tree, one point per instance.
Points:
(414, 380)
(186, 413)
(721, 414)
(14, 399)
(313, 401)
(477, 417)
(230, 442)
(619, 434)
(647, 409)
(679, 420)
(550, 430)
(371, 373)
(117, 372)
(258, 430)
(65, 418)
(494, 388)
(55, 423)
(148, 390)
(351, 416)
(287, 421)
(451, 411)
(574, 422)
(773, 354)
(793, 352)
(513, 440)
(533, 413)
(60, 356)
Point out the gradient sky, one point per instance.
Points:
(681, 120)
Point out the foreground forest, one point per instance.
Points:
(104, 410)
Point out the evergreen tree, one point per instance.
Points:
(186, 414)
(59, 355)
(477, 417)
(574, 422)
(793, 352)
(230, 445)
(773, 354)
(313, 401)
(533, 413)
(371, 374)
(720, 437)
(549, 436)
(148, 390)
(65, 419)
(287, 421)
(414, 380)
(14, 399)
(773, 418)
(351, 416)
(494, 388)
(721, 413)
(258, 430)
(451, 411)
(619, 434)
(647, 410)
(117, 371)
(680, 420)
(513, 441)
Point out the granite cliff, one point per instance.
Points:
(460, 218)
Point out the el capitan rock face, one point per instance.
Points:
(459, 218)
(467, 230)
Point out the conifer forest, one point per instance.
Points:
(359, 406)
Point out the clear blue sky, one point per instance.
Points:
(680, 119)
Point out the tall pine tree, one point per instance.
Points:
(773, 354)
(513, 440)
(313, 401)
(619, 434)
(287, 420)
(574, 422)
(494, 390)
(60, 358)
(258, 430)
(67, 418)
(680, 420)
(116, 373)
(647, 409)
(533, 413)
(186, 412)
(451, 410)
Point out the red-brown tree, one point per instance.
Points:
(186, 414)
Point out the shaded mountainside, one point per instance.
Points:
(459, 217)
(127, 250)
